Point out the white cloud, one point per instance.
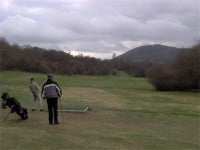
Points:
(107, 44)
(14, 26)
(134, 44)
(102, 55)
(99, 27)
(4, 4)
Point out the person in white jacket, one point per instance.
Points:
(52, 92)
(35, 89)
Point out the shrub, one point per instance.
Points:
(182, 74)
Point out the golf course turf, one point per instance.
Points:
(127, 114)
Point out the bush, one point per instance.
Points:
(182, 74)
(136, 69)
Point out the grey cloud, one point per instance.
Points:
(100, 25)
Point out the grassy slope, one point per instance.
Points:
(127, 114)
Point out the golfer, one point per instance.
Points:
(51, 92)
(35, 89)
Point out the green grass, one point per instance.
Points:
(127, 114)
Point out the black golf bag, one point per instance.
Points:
(3, 104)
(15, 106)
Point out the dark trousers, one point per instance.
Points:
(53, 109)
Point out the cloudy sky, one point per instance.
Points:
(100, 27)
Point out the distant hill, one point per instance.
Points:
(151, 53)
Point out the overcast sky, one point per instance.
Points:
(100, 27)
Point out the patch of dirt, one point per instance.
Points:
(94, 96)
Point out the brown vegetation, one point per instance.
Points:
(182, 74)
(34, 59)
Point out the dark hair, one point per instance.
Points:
(32, 79)
(49, 76)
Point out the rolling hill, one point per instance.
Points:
(151, 53)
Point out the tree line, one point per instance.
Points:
(34, 59)
(181, 74)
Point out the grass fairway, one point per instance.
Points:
(127, 114)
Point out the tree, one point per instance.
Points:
(113, 55)
(182, 74)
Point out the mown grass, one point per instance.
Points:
(127, 114)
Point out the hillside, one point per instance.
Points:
(151, 53)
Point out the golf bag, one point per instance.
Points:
(15, 106)
(3, 104)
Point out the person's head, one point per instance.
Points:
(32, 79)
(5, 96)
(49, 77)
